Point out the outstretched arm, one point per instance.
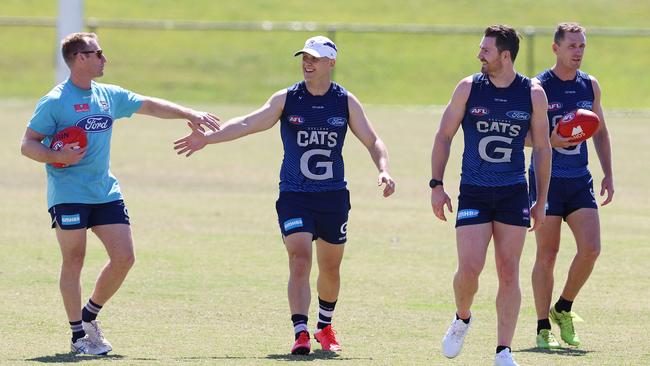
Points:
(259, 120)
(363, 130)
(162, 108)
(603, 147)
(451, 120)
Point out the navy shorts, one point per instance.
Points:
(72, 216)
(323, 214)
(506, 204)
(566, 195)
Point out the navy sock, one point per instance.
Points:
(299, 324)
(501, 348)
(77, 330)
(325, 312)
(90, 311)
(466, 321)
(543, 324)
(563, 305)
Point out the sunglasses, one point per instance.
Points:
(98, 53)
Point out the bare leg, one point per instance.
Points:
(548, 244)
(585, 225)
(508, 245)
(73, 250)
(119, 246)
(471, 243)
(329, 258)
(299, 249)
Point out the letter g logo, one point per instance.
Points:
(304, 164)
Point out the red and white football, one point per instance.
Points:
(68, 135)
(579, 125)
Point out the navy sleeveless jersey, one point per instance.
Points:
(495, 125)
(565, 96)
(313, 129)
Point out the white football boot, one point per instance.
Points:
(96, 336)
(453, 341)
(83, 345)
(504, 358)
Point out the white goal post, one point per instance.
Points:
(70, 20)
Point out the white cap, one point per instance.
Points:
(319, 46)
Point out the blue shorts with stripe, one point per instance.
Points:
(323, 214)
(72, 216)
(505, 204)
(566, 195)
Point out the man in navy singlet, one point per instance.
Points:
(85, 194)
(313, 205)
(571, 195)
(496, 108)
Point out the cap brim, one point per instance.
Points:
(308, 51)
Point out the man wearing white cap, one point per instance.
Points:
(314, 202)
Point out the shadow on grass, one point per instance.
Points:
(316, 355)
(573, 352)
(71, 357)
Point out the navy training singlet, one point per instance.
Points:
(565, 96)
(495, 125)
(313, 130)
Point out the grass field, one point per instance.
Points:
(209, 285)
(230, 67)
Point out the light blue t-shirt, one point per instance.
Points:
(89, 181)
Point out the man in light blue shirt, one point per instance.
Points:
(85, 194)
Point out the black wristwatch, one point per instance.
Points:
(434, 183)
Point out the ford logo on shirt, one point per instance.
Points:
(337, 121)
(519, 115)
(96, 123)
(585, 104)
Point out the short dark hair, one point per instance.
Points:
(507, 38)
(563, 28)
(75, 42)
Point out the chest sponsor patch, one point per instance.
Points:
(518, 115)
(296, 120)
(96, 123)
(554, 106)
(479, 111)
(337, 121)
(585, 104)
(83, 107)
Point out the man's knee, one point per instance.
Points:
(508, 272)
(124, 260)
(590, 252)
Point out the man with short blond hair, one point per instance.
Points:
(571, 196)
(84, 194)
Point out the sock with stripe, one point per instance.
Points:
(90, 311)
(325, 312)
(77, 330)
(299, 324)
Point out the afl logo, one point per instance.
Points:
(569, 117)
(337, 121)
(518, 115)
(479, 111)
(585, 104)
(95, 123)
(296, 120)
(554, 106)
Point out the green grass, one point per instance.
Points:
(232, 67)
(209, 284)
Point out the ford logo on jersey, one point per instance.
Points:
(520, 115)
(554, 106)
(337, 121)
(585, 104)
(479, 111)
(96, 123)
(296, 120)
